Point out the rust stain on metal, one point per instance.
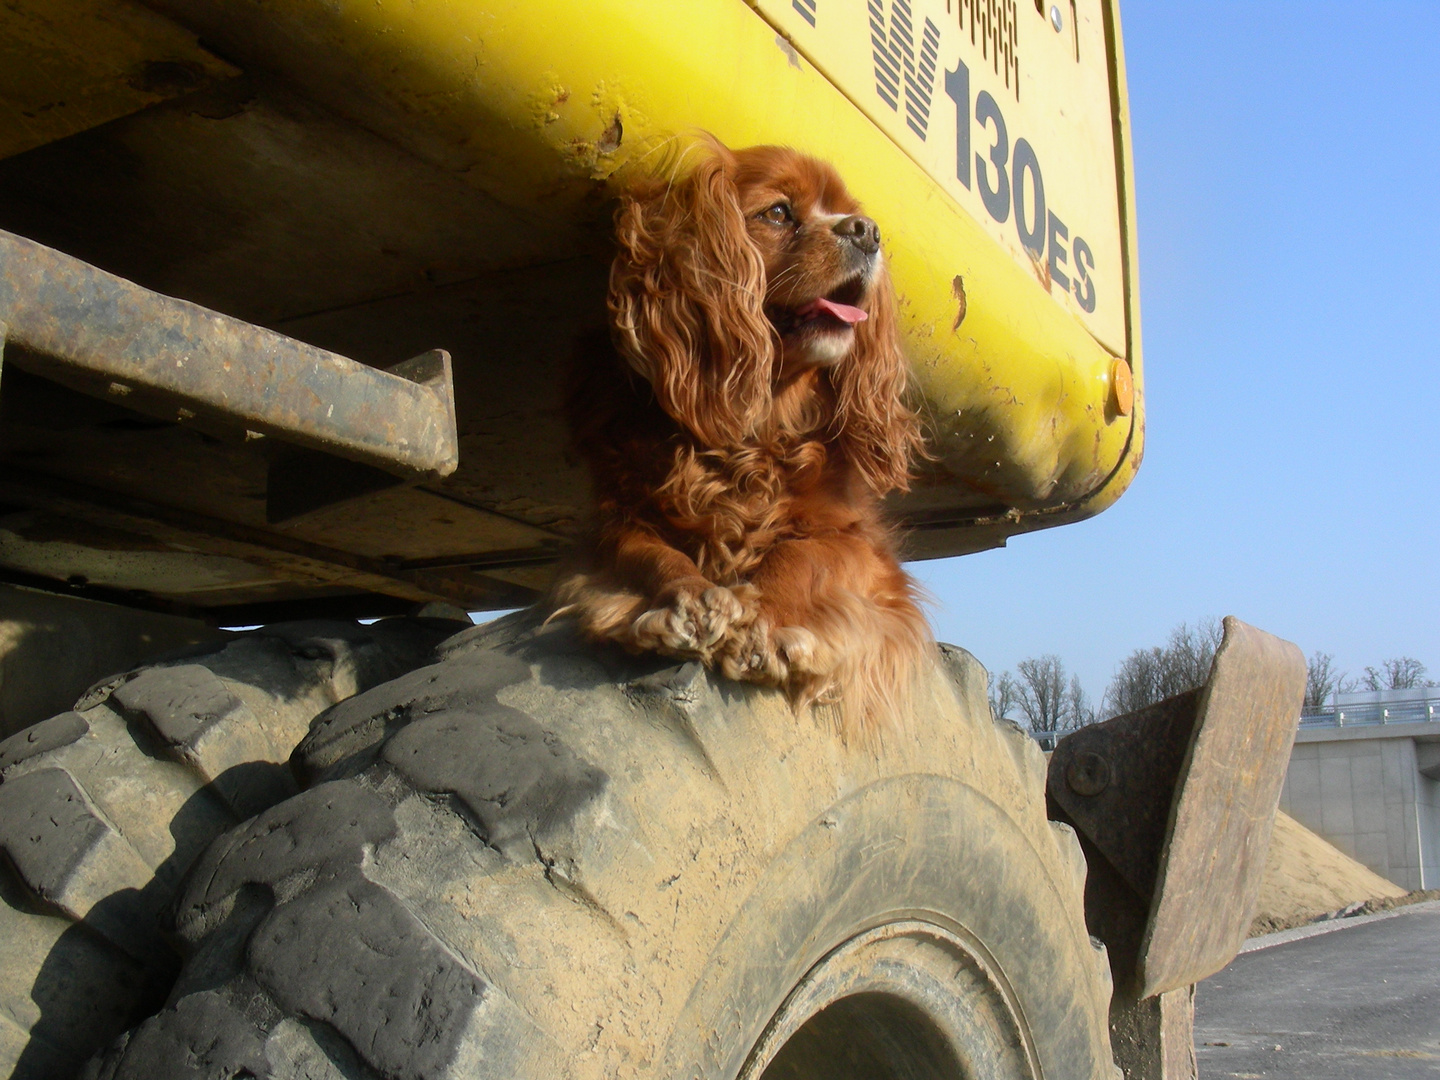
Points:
(1041, 268)
(957, 289)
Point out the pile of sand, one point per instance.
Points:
(1307, 878)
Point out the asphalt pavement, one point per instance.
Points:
(1361, 1002)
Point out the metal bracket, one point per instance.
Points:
(301, 480)
(168, 358)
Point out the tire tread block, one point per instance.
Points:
(60, 845)
(41, 738)
(180, 703)
(345, 736)
(90, 814)
(517, 780)
(318, 833)
(349, 955)
(203, 1037)
(206, 727)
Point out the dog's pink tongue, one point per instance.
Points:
(844, 312)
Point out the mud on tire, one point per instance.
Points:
(104, 808)
(537, 860)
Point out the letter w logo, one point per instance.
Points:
(895, 62)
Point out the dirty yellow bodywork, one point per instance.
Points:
(330, 168)
(534, 101)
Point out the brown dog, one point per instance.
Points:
(741, 440)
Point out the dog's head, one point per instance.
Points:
(822, 256)
(751, 269)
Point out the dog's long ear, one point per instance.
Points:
(686, 302)
(879, 432)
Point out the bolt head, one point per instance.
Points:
(1088, 773)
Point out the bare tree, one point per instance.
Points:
(1077, 705)
(1048, 698)
(1321, 679)
(1042, 691)
(1136, 682)
(1004, 696)
(1154, 674)
(1399, 673)
(1190, 653)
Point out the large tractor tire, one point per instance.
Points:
(104, 808)
(536, 860)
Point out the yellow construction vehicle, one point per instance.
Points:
(286, 289)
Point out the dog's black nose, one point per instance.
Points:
(860, 231)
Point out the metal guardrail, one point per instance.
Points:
(1349, 715)
(1046, 739)
(1392, 712)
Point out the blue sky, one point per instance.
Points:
(1286, 160)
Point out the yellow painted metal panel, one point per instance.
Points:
(961, 84)
(542, 105)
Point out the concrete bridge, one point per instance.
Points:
(1365, 775)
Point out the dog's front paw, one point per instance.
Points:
(694, 622)
(790, 657)
(750, 654)
(726, 611)
(676, 628)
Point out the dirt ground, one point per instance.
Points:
(1307, 878)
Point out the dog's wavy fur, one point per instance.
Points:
(738, 467)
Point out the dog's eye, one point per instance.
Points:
(779, 214)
